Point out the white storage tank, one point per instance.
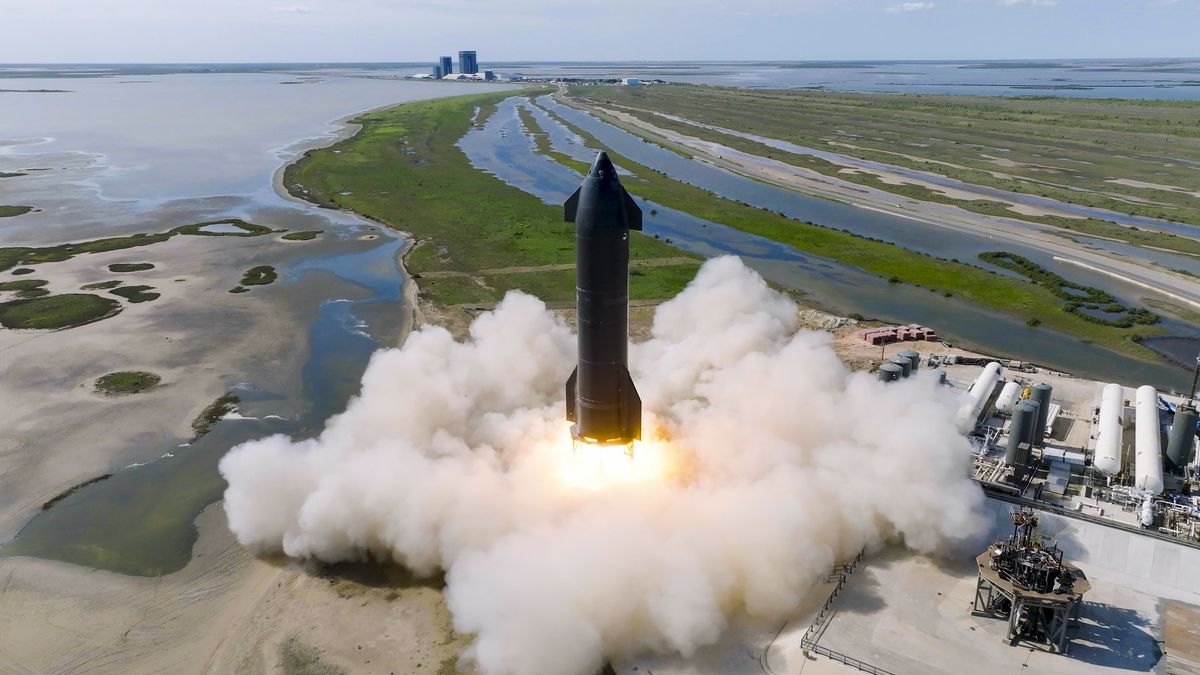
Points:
(972, 406)
(1008, 397)
(1108, 435)
(1148, 466)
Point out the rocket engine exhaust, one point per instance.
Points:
(602, 401)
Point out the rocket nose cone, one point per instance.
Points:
(602, 167)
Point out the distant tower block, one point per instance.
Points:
(447, 65)
(468, 64)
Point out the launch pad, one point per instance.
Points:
(1025, 581)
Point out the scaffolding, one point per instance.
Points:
(1025, 581)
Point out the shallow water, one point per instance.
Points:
(178, 149)
(499, 147)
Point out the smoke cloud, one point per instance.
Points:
(766, 462)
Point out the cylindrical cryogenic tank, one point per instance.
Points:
(972, 406)
(1148, 466)
(1040, 394)
(890, 372)
(1182, 443)
(914, 356)
(1021, 431)
(1008, 397)
(904, 364)
(1108, 435)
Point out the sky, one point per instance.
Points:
(180, 31)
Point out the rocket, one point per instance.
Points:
(601, 399)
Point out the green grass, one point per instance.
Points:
(130, 267)
(25, 288)
(259, 276)
(11, 211)
(403, 168)
(212, 414)
(982, 287)
(306, 235)
(248, 229)
(103, 285)
(57, 311)
(11, 174)
(127, 382)
(13, 256)
(137, 294)
(1045, 146)
(23, 270)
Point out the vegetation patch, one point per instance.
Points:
(239, 289)
(13, 256)
(305, 235)
(57, 311)
(896, 264)
(1062, 148)
(247, 229)
(127, 382)
(297, 658)
(25, 288)
(137, 294)
(259, 276)
(1086, 302)
(403, 168)
(10, 211)
(130, 267)
(103, 285)
(22, 270)
(72, 490)
(11, 174)
(209, 417)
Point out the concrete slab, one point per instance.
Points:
(908, 614)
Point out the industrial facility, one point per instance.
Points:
(468, 69)
(1123, 456)
(1026, 581)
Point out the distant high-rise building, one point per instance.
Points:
(447, 65)
(489, 75)
(437, 72)
(467, 63)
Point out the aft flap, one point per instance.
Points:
(571, 207)
(633, 214)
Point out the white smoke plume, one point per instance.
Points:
(766, 462)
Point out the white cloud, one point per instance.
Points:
(910, 7)
(1029, 3)
(294, 9)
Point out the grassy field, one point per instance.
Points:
(1035, 304)
(137, 294)
(22, 255)
(1066, 149)
(126, 382)
(306, 235)
(122, 268)
(403, 169)
(11, 211)
(259, 276)
(57, 311)
(25, 288)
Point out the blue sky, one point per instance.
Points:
(502, 30)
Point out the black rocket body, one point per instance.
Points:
(601, 398)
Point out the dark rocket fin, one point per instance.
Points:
(572, 206)
(633, 215)
(631, 407)
(573, 394)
